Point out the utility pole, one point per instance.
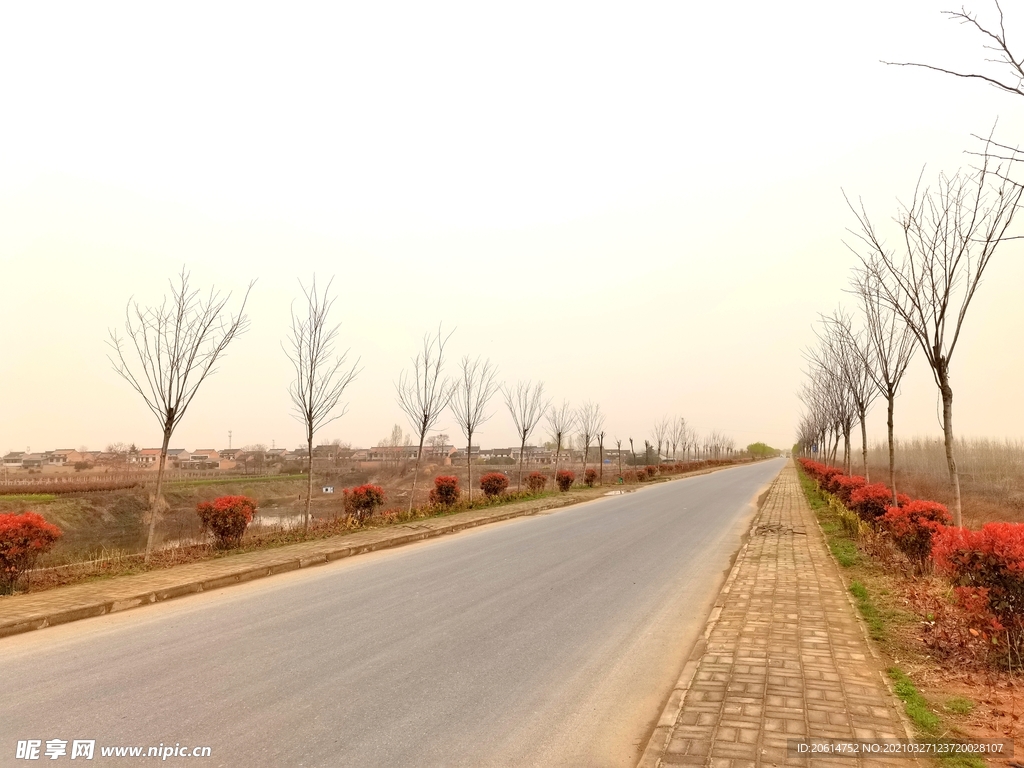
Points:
(229, 439)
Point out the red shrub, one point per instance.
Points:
(590, 477)
(361, 501)
(913, 525)
(446, 490)
(845, 485)
(827, 478)
(629, 476)
(495, 483)
(535, 481)
(23, 538)
(651, 472)
(992, 558)
(226, 518)
(565, 478)
(870, 502)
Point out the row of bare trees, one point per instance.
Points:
(915, 295)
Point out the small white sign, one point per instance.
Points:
(328, 489)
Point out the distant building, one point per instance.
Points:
(14, 459)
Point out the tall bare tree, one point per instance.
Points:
(589, 421)
(392, 453)
(425, 393)
(320, 376)
(526, 405)
(893, 344)
(661, 433)
(855, 356)
(561, 422)
(474, 388)
(949, 235)
(678, 434)
(173, 347)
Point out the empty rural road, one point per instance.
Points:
(550, 640)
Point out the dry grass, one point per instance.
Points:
(991, 475)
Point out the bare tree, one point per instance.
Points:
(678, 435)
(320, 376)
(661, 433)
(475, 386)
(589, 421)
(177, 345)
(855, 357)
(893, 345)
(618, 449)
(392, 450)
(561, 422)
(1011, 78)
(600, 454)
(526, 405)
(425, 393)
(950, 234)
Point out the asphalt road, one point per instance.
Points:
(551, 640)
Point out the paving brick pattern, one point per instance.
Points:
(785, 658)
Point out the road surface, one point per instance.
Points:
(549, 640)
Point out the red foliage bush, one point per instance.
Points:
(565, 478)
(812, 468)
(870, 502)
(992, 559)
(23, 538)
(590, 477)
(495, 483)
(845, 485)
(828, 478)
(651, 472)
(913, 525)
(629, 476)
(361, 501)
(226, 518)
(535, 481)
(445, 492)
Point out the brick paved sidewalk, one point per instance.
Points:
(784, 656)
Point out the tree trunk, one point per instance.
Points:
(586, 453)
(847, 457)
(155, 507)
(416, 471)
(600, 471)
(864, 443)
(558, 450)
(309, 488)
(469, 465)
(947, 433)
(522, 450)
(892, 448)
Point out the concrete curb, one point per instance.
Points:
(659, 740)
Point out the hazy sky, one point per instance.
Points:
(637, 203)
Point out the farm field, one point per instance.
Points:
(991, 475)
